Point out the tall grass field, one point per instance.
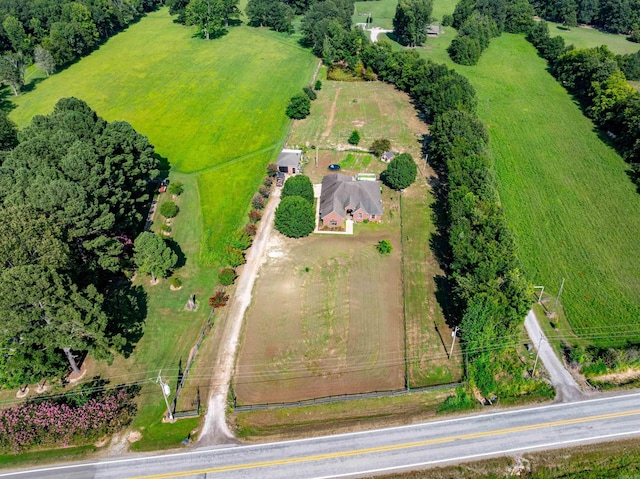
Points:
(565, 192)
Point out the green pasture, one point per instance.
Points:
(565, 191)
(215, 111)
(202, 104)
(382, 13)
(587, 37)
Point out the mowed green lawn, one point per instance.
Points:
(215, 110)
(586, 37)
(215, 107)
(382, 13)
(566, 193)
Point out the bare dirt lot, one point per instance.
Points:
(326, 318)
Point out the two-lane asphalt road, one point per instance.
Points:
(458, 439)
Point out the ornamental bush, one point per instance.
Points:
(227, 276)
(384, 247)
(56, 423)
(295, 217)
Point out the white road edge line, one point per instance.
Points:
(476, 456)
(308, 439)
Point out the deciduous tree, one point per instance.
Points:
(401, 172)
(153, 255)
(411, 20)
(298, 185)
(295, 217)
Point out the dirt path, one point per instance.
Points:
(567, 388)
(215, 429)
(332, 114)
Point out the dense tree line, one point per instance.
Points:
(617, 16)
(74, 193)
(478, 21)
(52, 33)
(597, 78)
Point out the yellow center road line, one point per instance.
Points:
(392, 447)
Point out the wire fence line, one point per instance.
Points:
(192, 356)
(338, 398)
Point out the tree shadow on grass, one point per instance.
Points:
(6, 105)
(32, 85)
(127, 310)
(175, 247)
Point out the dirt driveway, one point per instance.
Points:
(215, 429)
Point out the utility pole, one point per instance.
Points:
(165, 392)
(555, 305)
(535, 363)
(454, 333)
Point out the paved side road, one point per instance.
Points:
(493, 432)
(567, 388)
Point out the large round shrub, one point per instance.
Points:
(168, 209)
(401, 172)
(299, 185)
(299, 107)
(295, 217)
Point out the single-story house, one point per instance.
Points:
(387, 156)
(289, 161)
(345, 198)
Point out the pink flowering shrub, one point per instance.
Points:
(49, 423)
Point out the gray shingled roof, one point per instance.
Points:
(289, 158)
(340, 191)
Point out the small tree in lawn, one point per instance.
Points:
(401, 172)
(176, 188)
(268, 181)
(227, 276)
(299, 107)
(384, 247)
(152, 255)
(272, 170)
(168, 209)
(354, 139)
(257, 201)
(379, 146)
(219, 300)
(295, 217)
(318, 85)
(299, 185)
